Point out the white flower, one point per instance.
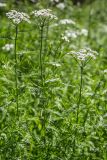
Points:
(66, 21)
(71, 34)
(83, 32)
(65, 38)
(18, 17)
(105, 71)
(3, 4)
(8, 47)
(74, 34)
(60, 6)
(44, 14)
(84, 54)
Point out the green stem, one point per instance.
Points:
(42, 80)
(78, 107)
(16, 80)
(41, 49)
(80, 93)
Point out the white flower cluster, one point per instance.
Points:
(105, 71)
(44, 14)
(3, 4)
(8, 47)
(84, 54)
(66, 21)
(60, 6)
(65, 38)
(74, 34)
(83, 32)
(17, 17)
(71, 34)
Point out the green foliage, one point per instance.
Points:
(48, 91)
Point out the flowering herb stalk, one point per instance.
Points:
(43, 16)
(82, 57)
(16, 18)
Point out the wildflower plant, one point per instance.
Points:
(16, 18)
(43, 18)
(82, 57)
(49, 108)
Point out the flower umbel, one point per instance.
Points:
(44, 14)
(83, 32)
(84, 54)
(17, 17)
(61, 6)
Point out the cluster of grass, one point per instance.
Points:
(51, 107)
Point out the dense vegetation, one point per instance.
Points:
(53, 81)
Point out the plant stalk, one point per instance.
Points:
(42, 79)
(16, 76)
(80, 93)
(41, 49)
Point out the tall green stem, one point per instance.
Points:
(80, 93)
(41, 49)
(42, 79)
(78, 107)
(16, 80)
